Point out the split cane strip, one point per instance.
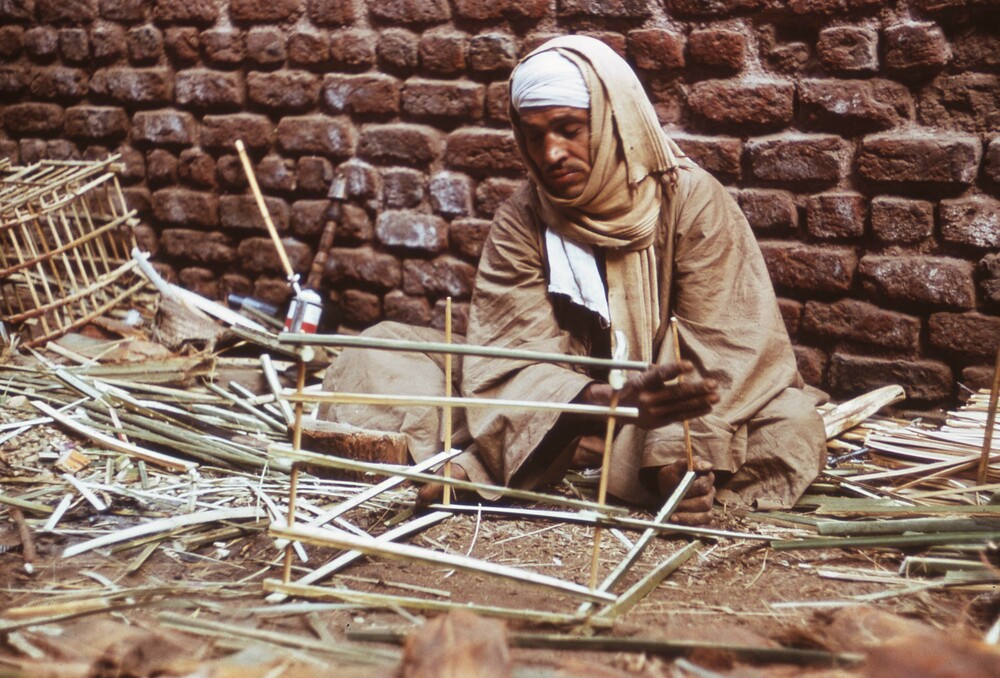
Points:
(991, 417)
(602, 490)
(446, 498)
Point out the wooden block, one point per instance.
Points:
(351, 442)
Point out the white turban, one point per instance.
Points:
(548, 79)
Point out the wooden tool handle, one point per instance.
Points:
(263, 209)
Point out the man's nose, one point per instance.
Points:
(555, 151)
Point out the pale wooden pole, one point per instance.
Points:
(446, 498)
(680, 379)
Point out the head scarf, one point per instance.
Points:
(632, 162)
(548, 79)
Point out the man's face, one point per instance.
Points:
(557, 139)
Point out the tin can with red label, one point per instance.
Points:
(304, 313)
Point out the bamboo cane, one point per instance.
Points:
(446, 499)
(602, 490)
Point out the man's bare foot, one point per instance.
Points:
(433, 493)
(696, 507)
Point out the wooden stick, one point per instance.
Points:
(602, 489)
(446, 499)
(27, 543)
(262, 206)
(680, 379)
(644, 586)
(287, 574)
(345, 540)
(991, 418)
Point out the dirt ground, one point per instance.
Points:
(732, 591)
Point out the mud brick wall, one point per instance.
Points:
(860, 137)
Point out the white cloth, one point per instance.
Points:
(573, 272)
(548, 79)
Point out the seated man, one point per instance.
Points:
(615, 232)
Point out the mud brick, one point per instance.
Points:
(717, 48)
(481, 151)
(201, 281)
(58, 82)
(308, 48)
(861, 322)
(145, 44)
(198, 247)
(375, 94)
(791, 314)
(241, 211)
(96, 122)
(230, 173)
(467, 237)
(254, 11)
(9, 149)
(854, 106)
(32, 118)
(498, 102)
(134, 86)
(728, 103)
(354, 48)
(362, 265)
(62, 149)
(258, 254)
(492, 53)
(966, 334)
(897, 220)
(912, 45)
(362, 309)
(989, 267)
(134, 164)
(810, 268)
(923, 380)
(920, 157)
(718, 155)
(974, 220)
(41, 42)
(978, 377)
(444, 276)
(283, 90)
(831, 7)
(183, 207)
(362, 179)
(223, 46)
(493, 192)
(124, 10)
(400, 143)
(275, 173)
(314, 174)
(309, 217)
(769, 211)
(182, 45)
(273, 290)
(66, 11)
(403, 188)
(931, 281)
(202, 88)
(397, 50)
(196, 168)
(222, 131)
(198, 12)
(797, 158)
(11, 41)
(161, 167)
(412, 230)
(316, 135)
(836, 215)
(991, 164)
(449, 100)
(331, 12)
(451, 194)
(967, 102)
(107, 42)
(609, 9)
(18, 9)
(656, 49)
(977, 49)
(398, 306)
(459, 315)
(355, 224)
(163, 128)
(31, 150)
(412, 11)
(484, 10)
(74, 45)
(266, 46)
(709, 8)
(13, 79)
(146, 238)
(811, 363)
(848, 49)
(792, 58)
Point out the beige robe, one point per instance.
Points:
(764, 437)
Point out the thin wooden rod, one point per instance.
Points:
(680, 379)
(602, 488)
(289, 547)
(436, 401)
(455, 349)
(991, 417)
(446, 499)
(262, 206)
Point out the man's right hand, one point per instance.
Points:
(661, 400)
